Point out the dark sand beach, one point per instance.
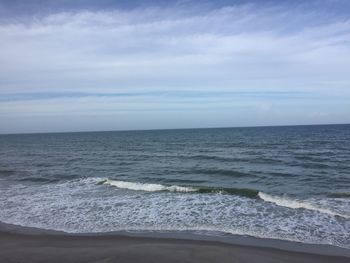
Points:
(26, 245)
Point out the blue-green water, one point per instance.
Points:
(289, 183)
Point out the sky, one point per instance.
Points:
(123, 65)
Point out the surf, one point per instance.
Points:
(147, 187)
(243, 192)
(297, 204)
(151, 187)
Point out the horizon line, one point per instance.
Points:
(167, 129)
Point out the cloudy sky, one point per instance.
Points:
(120, 65)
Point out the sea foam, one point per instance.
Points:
(148, 187)
(296, 204)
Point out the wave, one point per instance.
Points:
(209, 157)
(39, 179)
(295, 204)
(339, 195)
(6, 172)
(250, 193)
(222, 172)
(148, 187)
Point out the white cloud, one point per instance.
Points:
(147, 49)
(238, 48)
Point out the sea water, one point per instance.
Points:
(289, 183)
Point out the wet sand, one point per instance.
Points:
(43, 246)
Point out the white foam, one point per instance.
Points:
(148, 187)
(84, 206)
(295, 204)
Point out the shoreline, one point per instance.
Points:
(26, 244)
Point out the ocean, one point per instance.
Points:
(289, 183)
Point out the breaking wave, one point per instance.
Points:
(149, 187)
(250, 193)
(295, 204)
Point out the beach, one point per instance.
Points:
(21, 244)
(62, 248)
